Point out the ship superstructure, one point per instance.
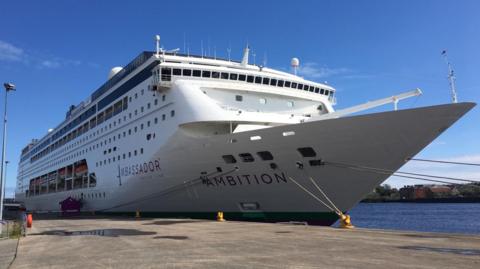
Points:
(184, 135)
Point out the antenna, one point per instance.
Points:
(157, 43)
(229, 50)
(184, 42)
(208, 46)
(201, 45)
(215, 52)
(254, 57)
(451, 77)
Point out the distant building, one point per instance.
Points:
(425, 192)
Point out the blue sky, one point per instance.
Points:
(58, 52)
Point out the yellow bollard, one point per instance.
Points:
(345, 222)
(137, 214)
(220, 216)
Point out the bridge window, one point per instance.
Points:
(266, 80)
(196, 73)
(287, 84)
(273, 82)
(294, 85)
(250, 79)
(166, 75)
(300, 86)
(322, 91)
(280, 83)
(224, 75)
(233, 76)
(215, 74)
(187, 72)
(317, 90)
(310, 88)
(327, 92)
(206, 74)
(242, 77)
(177, 72)
(258, 80)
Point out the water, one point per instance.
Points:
(425, 217)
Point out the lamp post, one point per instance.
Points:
(8, 87)
(6, 166)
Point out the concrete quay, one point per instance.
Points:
(106, 242)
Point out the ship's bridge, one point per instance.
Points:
(243, 87)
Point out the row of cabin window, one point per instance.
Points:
(149, 136)
(168, 72)
(135, 129)
(172, 113)
(125, 155)
(100, 118)
(91, 111)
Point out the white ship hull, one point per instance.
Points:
(185, 175)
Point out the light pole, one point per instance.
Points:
(8, 87)
(6, 166)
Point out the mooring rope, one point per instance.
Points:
(444, 162)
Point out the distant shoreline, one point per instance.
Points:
(426, 200)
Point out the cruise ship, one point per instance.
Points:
(179, 135)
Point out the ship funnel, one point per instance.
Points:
(245, 56)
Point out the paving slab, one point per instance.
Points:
(185, 243)
(7, 251)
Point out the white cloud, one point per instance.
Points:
(50, 64)
(9, 52)
(312, 70)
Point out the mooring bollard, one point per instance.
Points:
(220, 216)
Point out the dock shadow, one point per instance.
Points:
(99, 232)
(172, 237)
(457, 251)
(172, 222)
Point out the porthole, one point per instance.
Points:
(229, 159)
(246, 157)
(307, 152)
(265, 155)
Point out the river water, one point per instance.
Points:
(426, 217)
